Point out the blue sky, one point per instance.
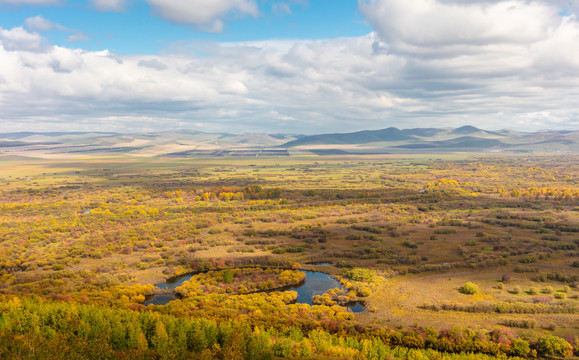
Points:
(294, 66)
(136, 30)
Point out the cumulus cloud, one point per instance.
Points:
(18, 39)
(206, 15)
(420, 71)
(435, 27)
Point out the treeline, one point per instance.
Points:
(477, 261)
(34, 328)
(503, 307)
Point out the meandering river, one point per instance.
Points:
(316, 283)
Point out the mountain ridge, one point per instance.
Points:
(187, 143)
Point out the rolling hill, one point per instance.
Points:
(189, 143)
(465, 138)
(360, 137)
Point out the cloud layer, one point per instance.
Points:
(493, 64)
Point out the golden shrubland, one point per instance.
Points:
(402, 233)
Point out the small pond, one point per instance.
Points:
(316, 283)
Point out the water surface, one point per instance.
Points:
(316, 283)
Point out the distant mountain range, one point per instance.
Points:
(465, 138)
(188, 143)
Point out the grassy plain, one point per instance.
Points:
(99, 230)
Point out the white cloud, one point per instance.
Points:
(39, 23)
(416, 72)
(18, 39)
(109, 5)
(435, 27)
(204, 14)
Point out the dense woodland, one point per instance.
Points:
(454, 256)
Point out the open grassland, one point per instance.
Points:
(404, 233)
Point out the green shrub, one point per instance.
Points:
(367, 228)
(228, 276)
(520, 347)
(532, 291)
(523, 324)
(528, 259)
(470, 288)
(283, 347)
(553, 347)
(560, 295)
(410, 244)
(359, 274)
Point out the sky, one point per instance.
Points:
(288, 66)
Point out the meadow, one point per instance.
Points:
(453, 255)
